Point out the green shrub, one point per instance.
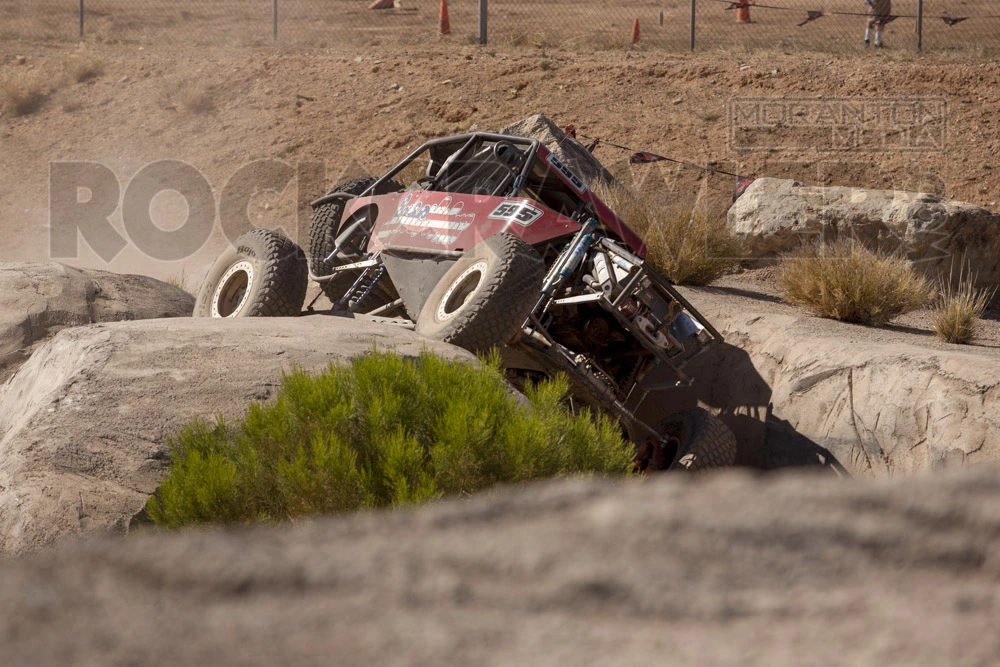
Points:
(684, 244)
(383, 431)
(848, 282)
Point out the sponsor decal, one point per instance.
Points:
(522, 213)
(441, 239)
(574, 180)
(432, 221)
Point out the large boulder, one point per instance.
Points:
(878, 403)
(84, 423)
(572, 153)
(775, 216)
(39, 299)
(731, 569)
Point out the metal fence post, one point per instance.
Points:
(274, 21)
(693, 2)
(920, 25)
(81, 19)
(483, 11)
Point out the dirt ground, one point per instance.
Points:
(335, 114)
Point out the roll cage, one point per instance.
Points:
(508, 166)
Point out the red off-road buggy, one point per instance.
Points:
(489, 240)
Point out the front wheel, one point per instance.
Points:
(263, 274)
(691, 440)
(482, 300)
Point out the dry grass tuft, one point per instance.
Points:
(846, 281)
(523, 37)
(684, 244)
(615, 40)
(193, 96)
(24, 91)
(196, 98)
(179, 280)
(959, 308)
(82, 67)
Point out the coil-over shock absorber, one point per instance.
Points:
(369, 291)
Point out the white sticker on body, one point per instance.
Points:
(520, 212)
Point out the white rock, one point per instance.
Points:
(65, 471)
(798, 389)
(572, 153)
(39, 299)
(775, 216)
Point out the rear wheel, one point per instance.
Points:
(263, 274)
(485, 296)
(328, 232)
(692, 440)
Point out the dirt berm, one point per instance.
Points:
(726, 570)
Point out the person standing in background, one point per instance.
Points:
(878, 16)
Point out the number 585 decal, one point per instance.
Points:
(520, 212)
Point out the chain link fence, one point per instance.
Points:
(574, 25)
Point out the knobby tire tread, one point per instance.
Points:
(504, 301)
(283, 278)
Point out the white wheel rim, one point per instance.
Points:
(233, 290)
(461, 289)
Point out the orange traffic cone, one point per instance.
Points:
(743, 13)
(444, 26)
(382, 4)
(635, 31)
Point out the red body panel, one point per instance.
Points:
(450, 221)
(606, 215)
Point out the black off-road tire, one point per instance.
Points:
(485, 296)
(703, 440)
(326, 226)
(263, 274)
